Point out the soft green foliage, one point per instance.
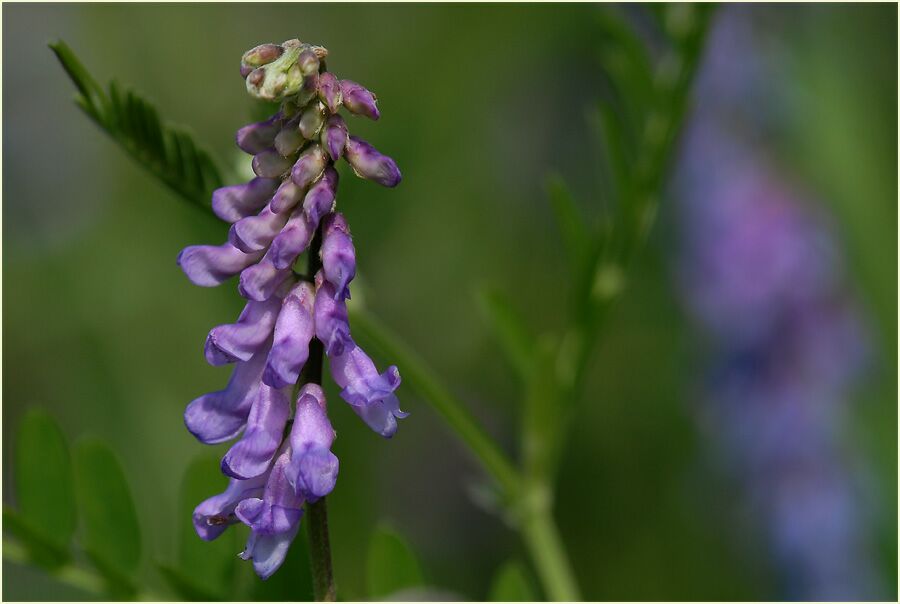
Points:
(111, 535)
(510, 329)
(43, 477)
(166, 151)
(391, 565)
(511, 584)
(213, 564)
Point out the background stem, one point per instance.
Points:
(549, 556)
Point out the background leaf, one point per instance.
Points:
(45, 496)
(166, 151)
(391, 565)
(111, 535)
(205, 570)
(511, 584)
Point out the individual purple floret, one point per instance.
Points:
(332, 323)
(367, 162)
(237, 201)
(338, 254)
(293, 332)
(334, 136)
(330, 92)
(210, 265)
(359, 100)
(240, 341)
(220, 416)
(314, 468)
(287, 210)
(253, 454)
(274, 519)
(214, 515)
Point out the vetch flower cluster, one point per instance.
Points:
(287, 209)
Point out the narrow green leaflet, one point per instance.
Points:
(391, 565)
(45, 495)
(167, 152)
(511, 584)
(510, 329)
(575, 236)
(111, 535)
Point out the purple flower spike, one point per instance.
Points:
(271, 164)
(334, 136)
(332, 326)
(338, 254)
(241, 340)
(314, 468)
(293, 239)
(259, 282)
(293, 332)
(255, 233)
(367, 162)
(210, 265)
(369, 393)
(330, 91)
(216, 514)
(320, 199)
(309, 166)
(286, 197)
(274, 520)
(359, 100)
(253, 454)
(237, 201)
(256, 138)
(219, 416)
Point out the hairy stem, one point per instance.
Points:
(317, 513)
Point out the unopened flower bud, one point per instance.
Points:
(367, 162)
(309, 166)
(308, 62)
(289, 140)
(271, 164)
(320, 199)
(286, 197)
(262, 55)
(330, 91)
(256, 138)
(334, 136)
(359, 100)
(311, 120)
(278, 78)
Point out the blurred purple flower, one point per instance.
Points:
(760, 274)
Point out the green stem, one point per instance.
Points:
(549, 556)
(320, 550)
(423, 379)
(317, 513)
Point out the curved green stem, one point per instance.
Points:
(423, 379)
(549, 556)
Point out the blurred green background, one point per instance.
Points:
(479, 103)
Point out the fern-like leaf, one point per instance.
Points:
(166, 151)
